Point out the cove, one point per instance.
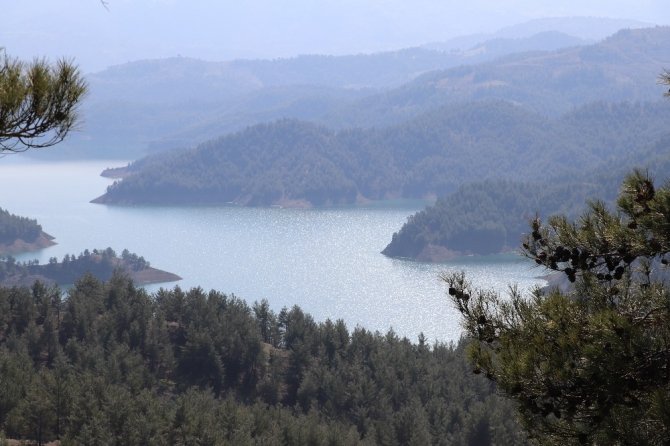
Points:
(327, 261)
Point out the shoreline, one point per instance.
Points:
(148, 276)
(20, 246)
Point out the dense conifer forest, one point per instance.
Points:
(289, 162)
(107, 363)
(13, 227)
(587, 361)
(110, 364)
(481, 218)
(490, 216)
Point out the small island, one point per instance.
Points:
(100, 263)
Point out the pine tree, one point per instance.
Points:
(588, 359)
(38, 103)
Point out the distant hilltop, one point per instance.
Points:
(155, 104)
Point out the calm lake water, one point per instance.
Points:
(327, 261)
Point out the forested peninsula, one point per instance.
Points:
(490, 216)
(293, 163)
(100, 263)
(480, 218)
(21, 234)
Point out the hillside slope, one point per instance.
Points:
(21, 234)
(177, 102)
(297, 163)
(622, 67)
(489, 217)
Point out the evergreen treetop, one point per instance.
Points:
(587, 359)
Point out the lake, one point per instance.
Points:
(327, 261)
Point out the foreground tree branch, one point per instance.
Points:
(38, 103)
(588, 359)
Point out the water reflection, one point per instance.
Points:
(327, 261)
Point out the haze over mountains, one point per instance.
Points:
(535, 120)
(179, 102)
(131, 30)
(491, 128)
(548, 99)
(587, 29)
(434, 133)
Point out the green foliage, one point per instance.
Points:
(490, 216)
(479, 218)
(289, 161)
(13, 227)
(111, 364)
(37, 103)
(586, 359)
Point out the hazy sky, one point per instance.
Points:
(223, 29)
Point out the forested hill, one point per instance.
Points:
(18, 234)
(296, 163)
(180, 102)
(624, 66)
(490, 216)
(111, 364)
(482, 218)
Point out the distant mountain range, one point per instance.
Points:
(587, 29)
(179, 102)
(625, 66)
(522, 115)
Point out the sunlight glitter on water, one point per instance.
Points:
(327, 261)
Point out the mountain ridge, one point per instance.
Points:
(179, 102)
(294, 161)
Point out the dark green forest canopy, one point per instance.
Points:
(490, 216)
(481, 218)
(290, 161)
(110, 363)
(13, 227)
